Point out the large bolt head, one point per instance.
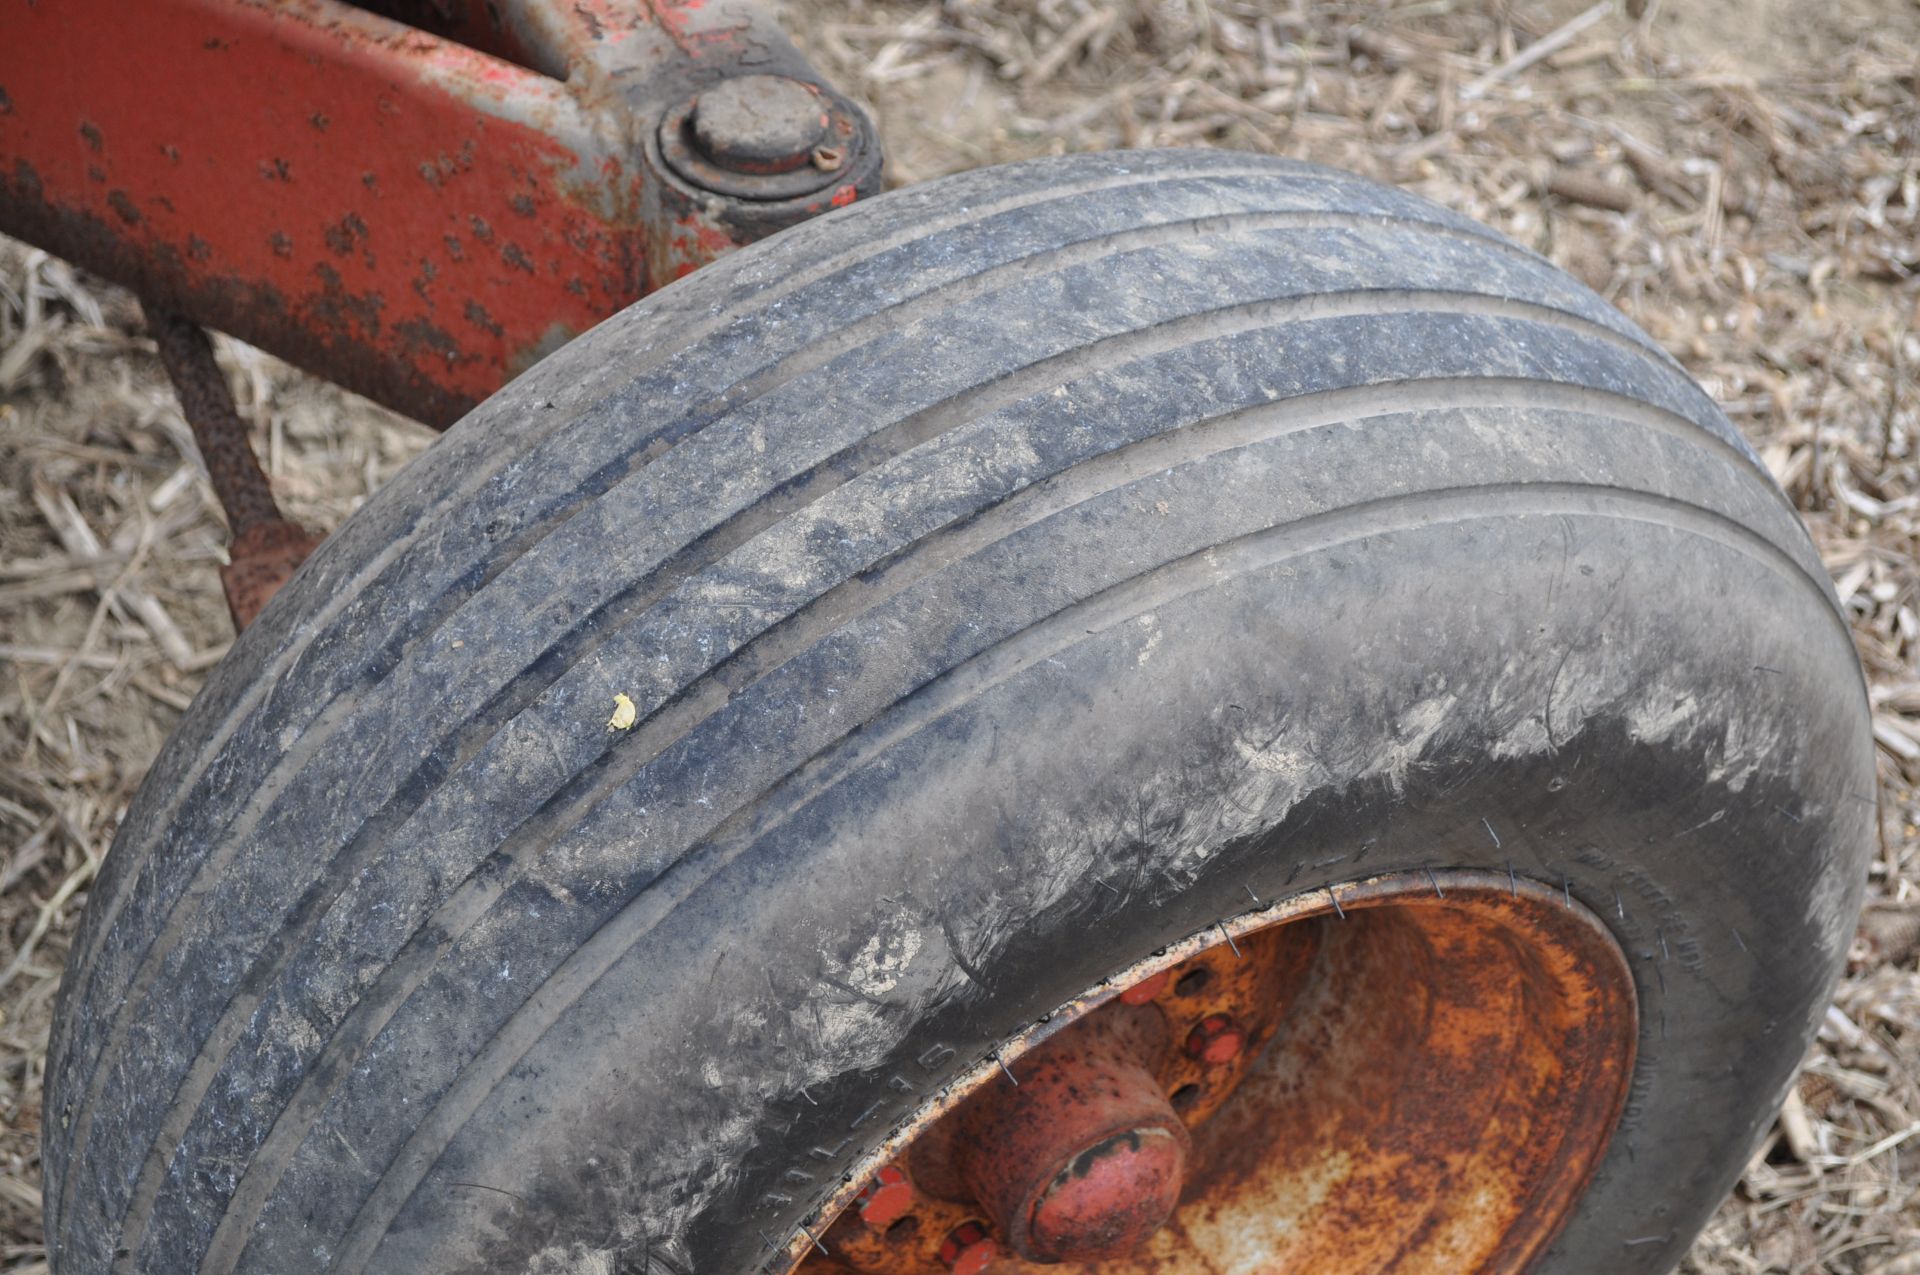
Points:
(1111, 1197)
(760, 123)
(1083, 1159)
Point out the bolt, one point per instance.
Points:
(1146, 989)
(759, 124)
(1084, 1160)
(968, 1249)
(887, 1199)
(1216, 1040)
(1111, 1196)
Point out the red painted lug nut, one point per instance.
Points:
(887, 1199)
(1216, 1040)
(968, 1249)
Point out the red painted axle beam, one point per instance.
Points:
(415, 214)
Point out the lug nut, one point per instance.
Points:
(758, 124)
(968, 1249)
(887, 1199)
(1217, 1039)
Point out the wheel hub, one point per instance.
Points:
(1415, 1072)
(1084, 1158)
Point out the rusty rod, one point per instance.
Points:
(266, 548)
(207, 403)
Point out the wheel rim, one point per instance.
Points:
(1418, 1071)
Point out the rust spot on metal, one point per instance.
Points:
(427, 338)
(90, 133)
(343, 235)
(343, 310)
(477, 315)
(123, 205)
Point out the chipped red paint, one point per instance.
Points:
(682, 20)
(417, 218)
(412, 218)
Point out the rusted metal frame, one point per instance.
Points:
(414, 217)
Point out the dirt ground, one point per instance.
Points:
(1742, 177)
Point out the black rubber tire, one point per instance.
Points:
(1008, 573)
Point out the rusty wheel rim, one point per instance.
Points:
(1413, 1072)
